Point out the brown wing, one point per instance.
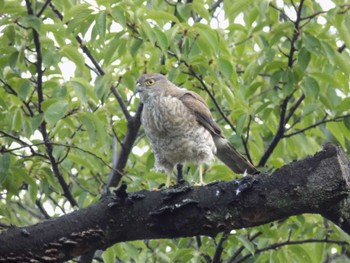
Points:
(225, 150)
(200, 109)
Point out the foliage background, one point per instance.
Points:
(275, 74)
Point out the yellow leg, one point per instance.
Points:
(200, 172)
(168, 180)
(201, 181)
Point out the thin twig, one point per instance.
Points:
(294, 107)
(336, 119)
(120, 100)
(241, 248)
(288, 243)
(246, 139)
(43, 8)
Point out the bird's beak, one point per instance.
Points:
(138, 87)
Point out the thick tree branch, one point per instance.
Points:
(134, 124)
(278, 136)
(318, 184)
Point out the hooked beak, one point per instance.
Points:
(138, 87)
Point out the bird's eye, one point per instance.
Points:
(149, 82)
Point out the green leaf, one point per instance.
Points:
(83, 89)
(109, 255)
(78, 13)
(325, 77)
(201, 10)
(343, 106)
(5, 161)
(342, 63)
(347, 122)
(32, 22)
(36, 121)
(247, 244)
(275, 78)
(102, 84)
(73, 54)
(13, 58)
(226, 68)
(80, 90)
(228, 94)
(310, 87)
(55, 112)
(312, 44)
(241, 119)
(161, 16)
(101, 24)
(303, 58)
(24, 87)
(118, 14)
(207, 36)
(336, 131)
(162, 40)
(17, 120)
(234, 8)
(135, 45)
(85, 119)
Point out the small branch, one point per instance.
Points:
(281, 11)
(120, 100)
(336, 119)
(295, 35)
(42, 209)
(43, 8)
(294, 107)
(289, 243)
(24, 145)
(85, 151)
(220, 248)
(246, 139)
(313, 15)
(241, 248)
(8, 88)
(211, 10)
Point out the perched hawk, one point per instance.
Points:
(180, 128)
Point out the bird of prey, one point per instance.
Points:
(180, 128)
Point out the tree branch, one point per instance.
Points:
(289, 243)
(134, 124)
(278, 136)
(335, 119)
(42, 128)
(318, 184)
(283, 117)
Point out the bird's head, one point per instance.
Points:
(151, 85)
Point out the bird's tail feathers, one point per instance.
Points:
(227, 153)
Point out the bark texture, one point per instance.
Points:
(318, 184)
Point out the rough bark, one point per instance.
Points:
(318, 184)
